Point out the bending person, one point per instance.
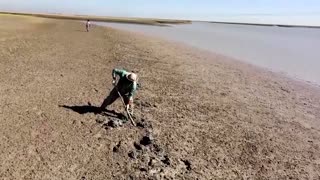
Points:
(127, 86)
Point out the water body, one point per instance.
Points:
(292, 51)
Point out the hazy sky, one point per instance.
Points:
(285, 11)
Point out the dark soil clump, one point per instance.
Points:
(146, 140)
(188, 164)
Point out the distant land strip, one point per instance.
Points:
(145, 21)
(258, 24)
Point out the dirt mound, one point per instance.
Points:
(151, 158)
(146, 154)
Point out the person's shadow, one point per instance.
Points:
(92, 109)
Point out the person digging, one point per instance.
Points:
(125, 89)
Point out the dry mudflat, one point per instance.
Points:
(201, 115)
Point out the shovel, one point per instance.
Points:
(124, 104)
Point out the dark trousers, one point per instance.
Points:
(113, 96)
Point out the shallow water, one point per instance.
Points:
(293, 51)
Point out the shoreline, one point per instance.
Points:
(210, 116)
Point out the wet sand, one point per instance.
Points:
(211, 117)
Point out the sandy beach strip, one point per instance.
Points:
(211, 117)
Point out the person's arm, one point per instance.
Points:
(119, 72)
(131, 93)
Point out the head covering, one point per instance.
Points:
(132, 77)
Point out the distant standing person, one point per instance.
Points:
(88, 25)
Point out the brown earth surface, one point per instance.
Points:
(208, 117)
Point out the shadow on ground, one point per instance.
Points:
(92, 109)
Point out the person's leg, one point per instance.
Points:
(126, 101)
(110, 99)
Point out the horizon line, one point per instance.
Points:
(153, 18)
